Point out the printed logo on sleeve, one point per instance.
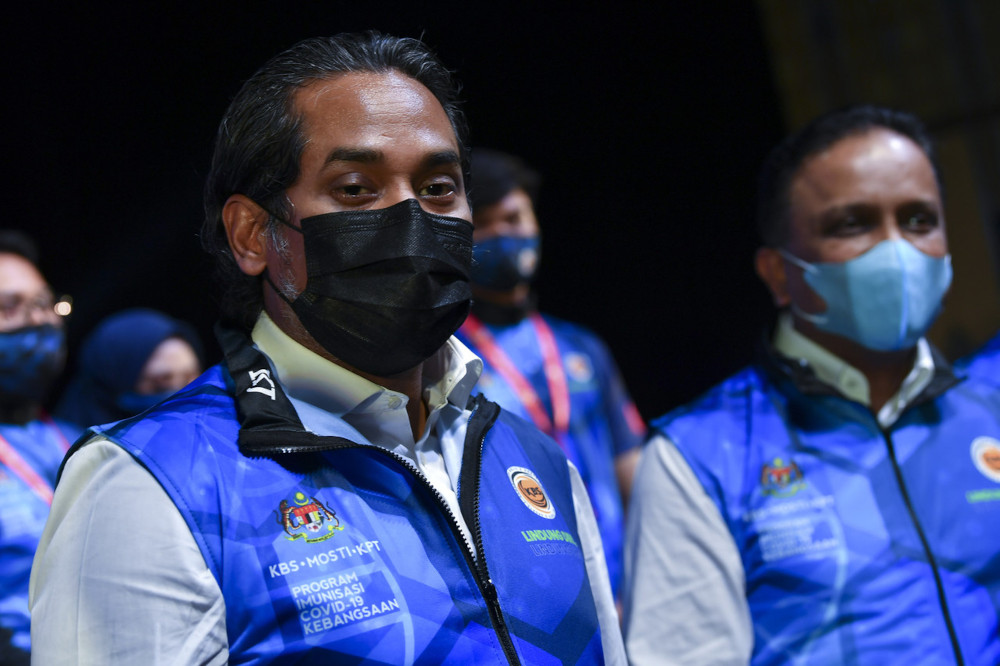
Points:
(307, 518)
(530, 490)
(986, 456)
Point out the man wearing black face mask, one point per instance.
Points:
(555, 373)
(31, 444)
(330, 493)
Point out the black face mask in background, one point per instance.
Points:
(386, 287)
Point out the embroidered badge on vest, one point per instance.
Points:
(530, 490)
(986, 456)
(307, 518)
(779, 478)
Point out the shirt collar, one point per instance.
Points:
(449, 375)
(848, 380)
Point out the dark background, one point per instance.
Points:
(647, 121)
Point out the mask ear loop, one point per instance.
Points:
(284, 222)
(818, 318)
(280, 293)
(804, 265)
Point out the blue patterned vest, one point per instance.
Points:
(860, 545)
(329, 550)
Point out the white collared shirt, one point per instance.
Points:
(119, 579)
(323, 392)
(848, 380)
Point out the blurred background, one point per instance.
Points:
(647, 121)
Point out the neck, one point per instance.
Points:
(18, 411)
(884, 370)
(502, 307)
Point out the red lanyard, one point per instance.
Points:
(13, 460)
(63, 442)
(554, 374)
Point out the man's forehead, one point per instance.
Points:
(18, 271)
(353, 97)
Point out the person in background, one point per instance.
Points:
(837, 501)
(331, 492)
(132, 360)
(557, 374)
(32, 444)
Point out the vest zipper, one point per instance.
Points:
(938, 583)
(478, 566)
(484, 415)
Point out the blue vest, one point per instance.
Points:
(41, 446)
(984, 363)
(329, 551)
(603, 420)
(860, 545)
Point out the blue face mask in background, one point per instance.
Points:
(503, 262)
(30, 360)
(884, 299)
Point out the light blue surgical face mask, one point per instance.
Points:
(884, 299)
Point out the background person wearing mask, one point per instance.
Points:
(554, 373)
(32, 445)
(132, 360)
(828, 505)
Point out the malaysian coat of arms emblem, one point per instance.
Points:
(308, 518)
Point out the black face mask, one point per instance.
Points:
(386, 287)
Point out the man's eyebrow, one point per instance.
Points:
(363, 155)
(370, 156)
(441, 158)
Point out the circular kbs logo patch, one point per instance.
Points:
(986, 456)
(531, 492)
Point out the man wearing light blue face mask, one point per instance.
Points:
(32, 445)
(835, 501)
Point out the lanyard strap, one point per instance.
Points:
(13, 460)
(60, 437)
(526, 393)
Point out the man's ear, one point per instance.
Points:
(246, 223)
(770, 267)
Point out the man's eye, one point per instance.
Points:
(846, 225)
(437, 190)
(355, 190)
(920, 220)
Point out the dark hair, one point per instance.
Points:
(19, 243)
(259, 142)
(494, 175)
(788, 156)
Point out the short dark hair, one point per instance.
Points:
(495, 174)
(784, 161)
(17, 242)
(260, 140)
